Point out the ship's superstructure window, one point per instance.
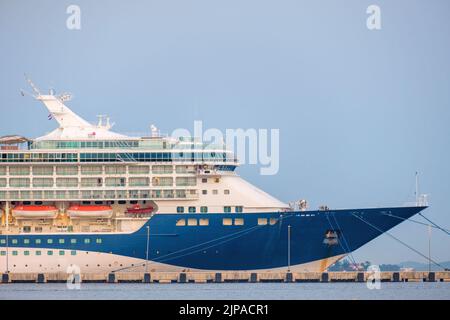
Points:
(226, 191)
(14, 253)
(61, 252)
(73, 253)
(239, 222)
(115, 170)
(2, 183)
(227, 209)
(91, 170)
(115, 182)
(215, 192)
(19, 171)
(204, 209)
(162, 169)
(2, 241)
(14, 241)
(49, 252)
(19, 182)
(204, 192)
(49, 241)
(186, 181)
(66, 182)
(239, 209)
(91, 182)
(3, 253)
(43, 171)
(273, 221)
(139, 182)
(67, 170)
(192, 210)
(98, 241)
(203, 222)
(87, 241)
(42, 182)
(73, 241)
(204, 180)
(185, 169)
(26, 241)
(38, 252)
(138, 169)
(180, 209)
(37, 241)
(61, 241)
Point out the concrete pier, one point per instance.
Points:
(224, 277)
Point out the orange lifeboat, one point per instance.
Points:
(136, 209)
(34, 212)
(86, 211)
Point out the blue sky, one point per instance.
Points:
(359, 111)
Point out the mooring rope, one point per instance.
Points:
(400, 241)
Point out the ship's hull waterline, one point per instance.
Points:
(294, 239)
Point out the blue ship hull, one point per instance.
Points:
(250, 246)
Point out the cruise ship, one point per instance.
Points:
(86, 196)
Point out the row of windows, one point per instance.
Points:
(50, 241)
(38, 252)
(225, 222)
(117, 157)
(204, 209)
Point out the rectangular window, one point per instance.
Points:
(14, 253)
(61, 241)
(262, 221)
(204, 192)
(115, 170)
(204, 222)
(87, 241)
(98, 240)
(138, 170)
(3, 253)
(181, 223)
(38, 253)
(37, 241)
(192, 222)
(227, 221)
(73, 241)
(192, 210)
(61, 252)
(26, 241)
(49, 241)
(239, 209)
(226, 191)
(204, 209)
(227, 209)
(49, 252)
(204, 180)
(215, 192)
(14, 241)
(26, 252)
(180, 209)
(238, 222)
(2, 241)
(273, 221)
(73, 253)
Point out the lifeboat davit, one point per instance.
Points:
(136, 209)
(35, 212)
(80, 211)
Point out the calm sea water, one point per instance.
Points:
(228, 291)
